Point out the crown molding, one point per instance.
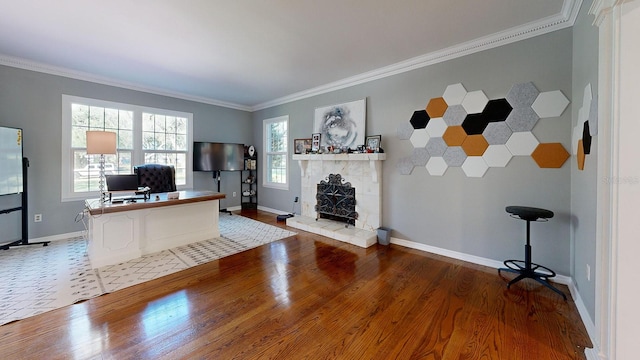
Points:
(566, 18)
(602, 8)
(79, 75)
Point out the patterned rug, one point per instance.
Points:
(26, 290)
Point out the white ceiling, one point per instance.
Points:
(250, 54)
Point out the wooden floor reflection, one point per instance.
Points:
(309, 297)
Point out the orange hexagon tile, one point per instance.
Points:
(475, 145)
(581, 155)
(454, 135)
(436, 107)
(550, 155)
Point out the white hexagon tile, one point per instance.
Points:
(436, 166)
(522, 143)
(474, 166)
(454, 94)
(475, 102)
(550, 104)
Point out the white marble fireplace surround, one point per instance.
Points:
(364, 172)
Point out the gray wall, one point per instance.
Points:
(32, 101)
(456, 212)
(583, 183)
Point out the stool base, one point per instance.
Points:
(529, 270)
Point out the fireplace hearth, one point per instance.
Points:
(336, 200)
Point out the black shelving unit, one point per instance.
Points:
(249, 179)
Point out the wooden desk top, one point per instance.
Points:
(186, 197)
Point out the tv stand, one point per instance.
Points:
(25, 214)
(216, 176)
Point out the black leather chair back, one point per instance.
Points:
(159, 178)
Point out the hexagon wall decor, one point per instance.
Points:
(436, 107)
(466, 129)
(436, 166)
(475, 145)
(550, 155)
(475, 102)
(550, 104)
(454, 94)
(454, 135)
(419, 119)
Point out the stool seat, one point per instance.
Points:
(529, 213)
(526, 268)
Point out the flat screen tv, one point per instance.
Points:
(211, 156)
(10, 160)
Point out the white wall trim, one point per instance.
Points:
(566, 18)
(59, 237)
(275, 211)
(83, 76)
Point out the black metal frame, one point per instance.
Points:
(25, 213)
(527, 269)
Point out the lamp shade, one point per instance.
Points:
(101, 142)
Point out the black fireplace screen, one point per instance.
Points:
(336, 199)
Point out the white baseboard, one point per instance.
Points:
(277, 212)
(592, 354)
(58, 237)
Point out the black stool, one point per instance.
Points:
(526, 268)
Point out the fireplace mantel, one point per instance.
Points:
(372, 158)
(364, 173)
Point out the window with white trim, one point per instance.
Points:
(144, 136)
(275, 132)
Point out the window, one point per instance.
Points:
(275, 133)
(144, 136)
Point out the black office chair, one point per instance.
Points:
(525, 268)
(159, 178)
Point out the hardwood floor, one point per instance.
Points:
(309, 297)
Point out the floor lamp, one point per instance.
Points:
(101, 143)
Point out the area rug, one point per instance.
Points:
(37, 279)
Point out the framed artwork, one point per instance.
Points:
(301, 146)
(373, 142)
(315, 142)
(341, 125)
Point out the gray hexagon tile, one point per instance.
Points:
(455, 156)
(474, 166)
(550, 104)
(405, 165)
(436, 146)
(454, 94)
(497, 133)
(497, 156)
(522, 143)
(454, 115)
(404, 131)
(587, 96)
(419, 138)
(522, 95)
(436, 127)
(420, 156)
(475, 102)
(437, 166)
(522, 119)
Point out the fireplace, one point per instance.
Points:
(364, 175)
(336, 200)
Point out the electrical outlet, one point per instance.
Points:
(234, 194)
(295, 200)
(37, 217)
(588, 272)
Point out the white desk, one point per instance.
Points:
(125, 231)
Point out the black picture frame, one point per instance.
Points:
(373, 142)
(315, 141)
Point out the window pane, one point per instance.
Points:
(96, 117)
(181, 125)
(111, 119)
(181, 142)
(125, 139)
(277, 168)
(79, 115)
(126, 119)
(148, 141)
(159, 123)
(79, 136)
(147, 122)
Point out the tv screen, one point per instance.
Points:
(10, 160)
(208, 156)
